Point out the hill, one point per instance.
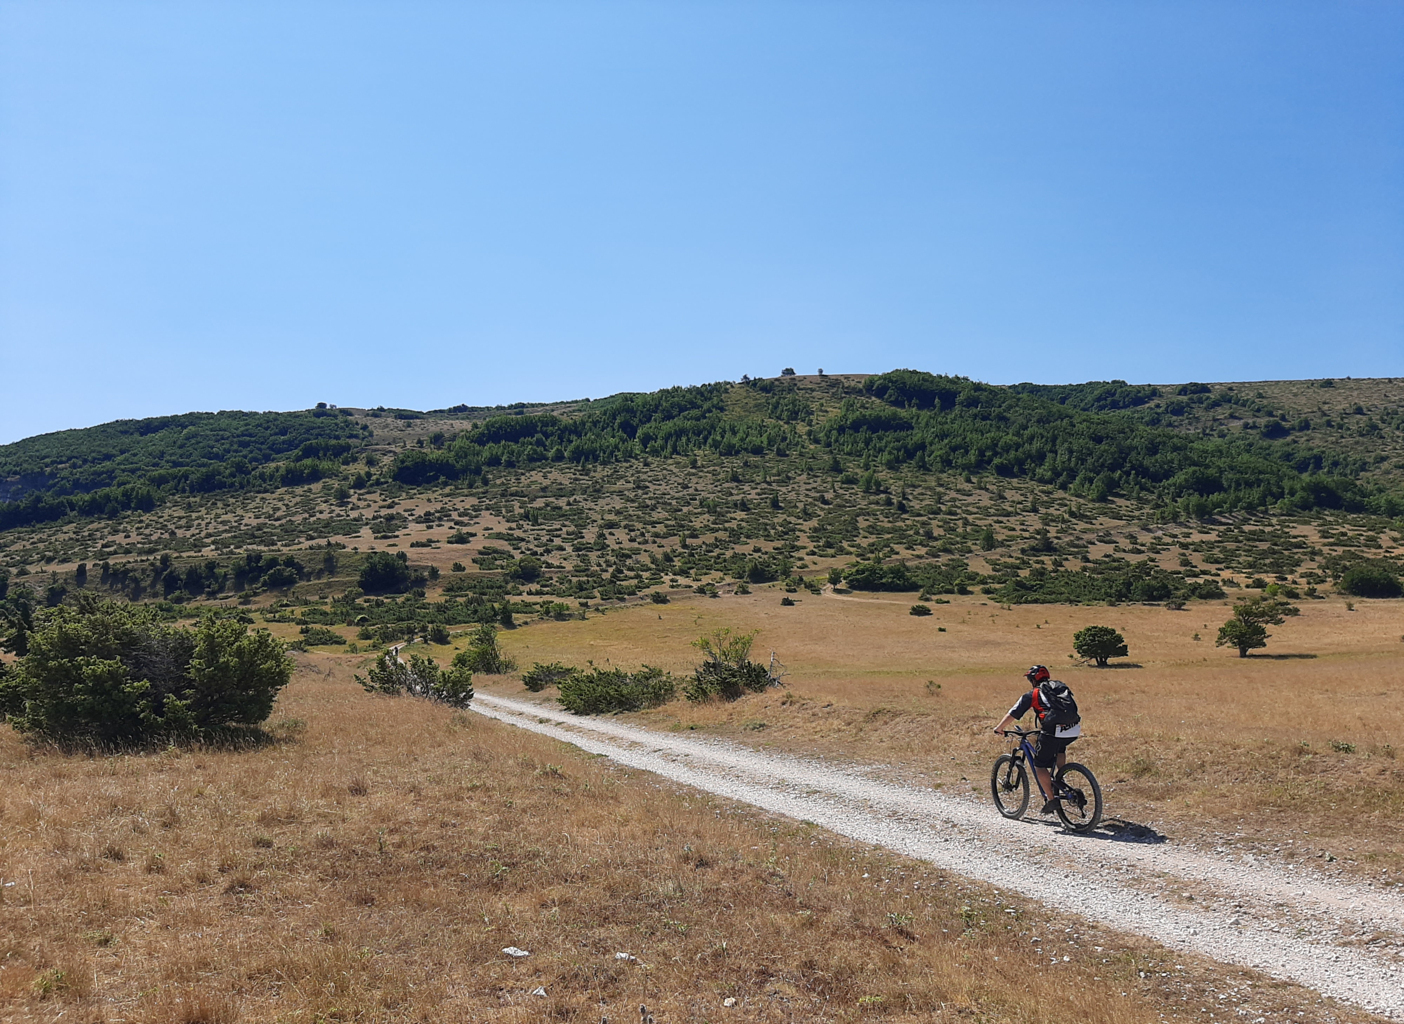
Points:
(1096, 492)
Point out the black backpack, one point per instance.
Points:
(1056, 704)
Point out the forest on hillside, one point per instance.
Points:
(1095, 440)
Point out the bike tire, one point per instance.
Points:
(1009, 785)
(1079, 815)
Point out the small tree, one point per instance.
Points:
(385, 573)
(482, 654)
(1099, 643)
(1247, 630)
(1246, 636)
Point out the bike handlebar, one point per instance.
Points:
(1019, 732)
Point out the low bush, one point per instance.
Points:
(921, 609)
(728, 673)
(601, 691)
(320, 636)
(421, 677)
(721, 680)
(541, 676)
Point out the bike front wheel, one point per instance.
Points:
(1080, 806)
(1009, 785)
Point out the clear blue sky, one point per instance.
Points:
(263, 205)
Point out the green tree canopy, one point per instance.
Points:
(1247, 630)
(109, 674)
(1371, 579)
(385, 573)
(1099, 643)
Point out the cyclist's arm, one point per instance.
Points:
(1016, 712)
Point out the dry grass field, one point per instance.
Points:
(1293, 748)
(374, 863)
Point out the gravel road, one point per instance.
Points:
(1343, 939)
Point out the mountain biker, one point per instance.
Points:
(1052, 745)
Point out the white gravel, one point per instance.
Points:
(1287, 924)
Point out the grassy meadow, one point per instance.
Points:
(1296, 746)
(371, 861)
(375, 859)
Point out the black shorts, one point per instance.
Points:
(1047, 749)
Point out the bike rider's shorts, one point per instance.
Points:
(1047, 749)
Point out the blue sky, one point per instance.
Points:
(264, 205)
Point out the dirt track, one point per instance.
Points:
(1344, 940)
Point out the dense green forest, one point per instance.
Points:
(134, 464)
(1074, 437)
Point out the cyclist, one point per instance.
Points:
(1052, 745)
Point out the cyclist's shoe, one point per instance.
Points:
(1050, 807)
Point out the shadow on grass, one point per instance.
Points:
(1119, 664)
(1280, 657)
(227, 739)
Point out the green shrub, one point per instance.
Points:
(717, 679)
(108, 675)
(541, 676)
(921, 609)
(320, 636)
(385, 573)
(421, 677)
(875, 576)
(437, 634)
(1371, 579)
(600, 691)
(728, 672)
(658, 597)
(482, 654)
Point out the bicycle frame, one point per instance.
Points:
(1026, 748)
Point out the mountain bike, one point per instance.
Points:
(1076, 795)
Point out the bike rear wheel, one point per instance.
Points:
(1081, 808)
(1009, 785)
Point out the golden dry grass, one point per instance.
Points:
(1186, 735)
(373, 864)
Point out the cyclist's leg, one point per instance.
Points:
(1043, 763)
